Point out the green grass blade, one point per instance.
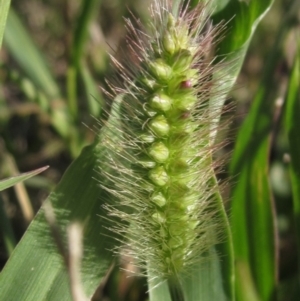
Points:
(158, 292)
(35, 267)
(88, 11)
(207, 282)
(22, 48)
(292, 123)
(225, 250)
(241, 21)
(252, 215)
(6, 183)
(33, 64)
(93, 96)
(4, 7)
(252, 221)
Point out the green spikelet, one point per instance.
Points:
(162, 168)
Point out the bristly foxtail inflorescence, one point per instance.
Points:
(160, 168)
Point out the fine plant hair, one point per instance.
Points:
(159, 170)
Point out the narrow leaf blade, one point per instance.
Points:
(6, 183)
(21, 46)
(35, 266)
(4, 8)
(292, 124)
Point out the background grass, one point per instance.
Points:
(55, 57)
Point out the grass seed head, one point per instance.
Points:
(161, 168)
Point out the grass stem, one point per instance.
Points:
(175, 288)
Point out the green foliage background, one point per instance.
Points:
(54, 59)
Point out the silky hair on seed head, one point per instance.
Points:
(159, 160)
